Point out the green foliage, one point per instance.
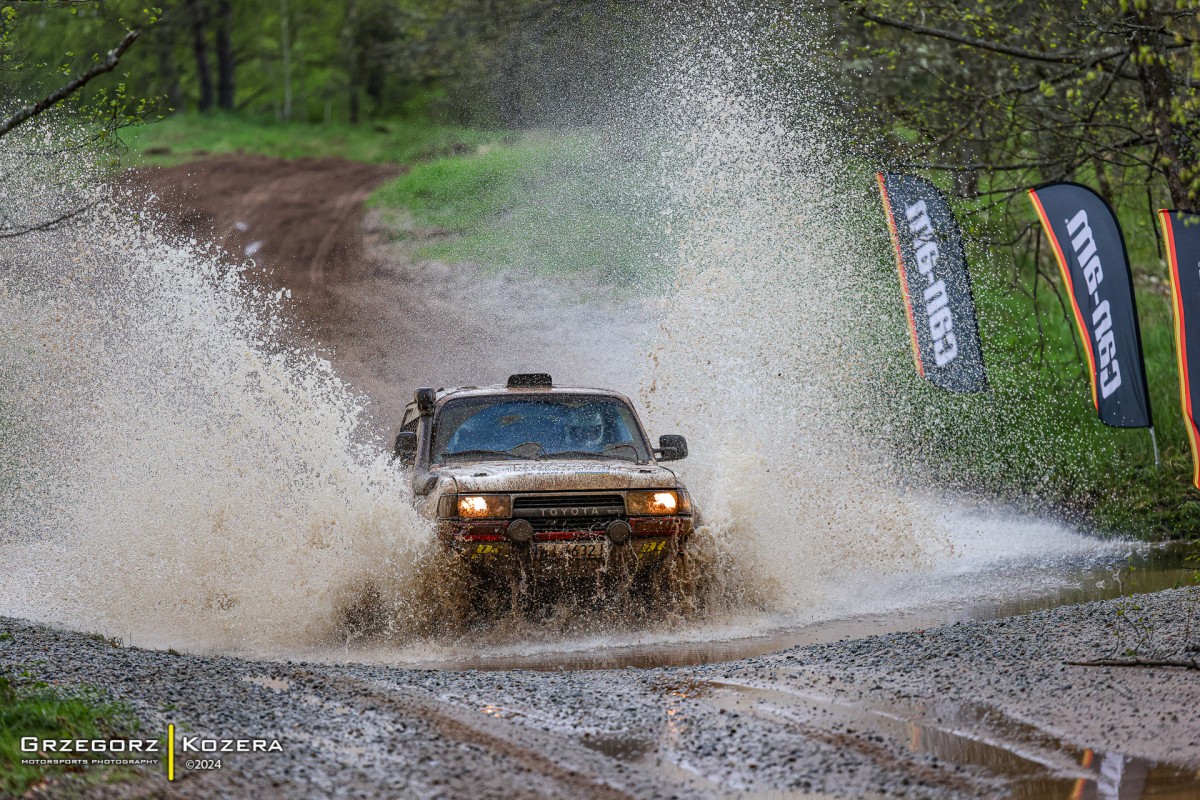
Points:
(33, 708)
(183, 137)
(1018, 93)
(43, 45)
(351, 60)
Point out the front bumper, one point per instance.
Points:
(487, 543)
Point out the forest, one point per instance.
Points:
(992, 94)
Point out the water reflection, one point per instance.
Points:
(1046, 586)
(1036, 764)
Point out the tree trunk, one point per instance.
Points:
(225, 54)
(200, 46)
(285, 47)
(1158, 95)
(353, 57)
(168, 70)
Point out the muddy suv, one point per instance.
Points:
(547, 476)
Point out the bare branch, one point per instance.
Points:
(1134, 662)
(75, 84)
(12, 233)
(983, 44)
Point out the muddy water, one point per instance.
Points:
(1019, 588)
(1032, 763)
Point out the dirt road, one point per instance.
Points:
(299, 218)
(388, 321)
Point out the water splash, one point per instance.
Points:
(181, 472)
(767, 355)
(777, 353)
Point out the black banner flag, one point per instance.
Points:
(935, 284)
(1182, 232)
(1090, 250)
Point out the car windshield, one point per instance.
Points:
(537, 427)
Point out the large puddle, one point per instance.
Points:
(1032, 763)
(1017, 588)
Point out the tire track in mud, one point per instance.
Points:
(558, 764)
(299, 218)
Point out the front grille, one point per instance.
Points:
(572, 508)
(584, 524)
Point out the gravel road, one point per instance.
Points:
(980, 709)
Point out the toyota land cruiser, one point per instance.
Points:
(544, 478)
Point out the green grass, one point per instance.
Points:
(185, 137)
(29, 708)
(463, 193)
(544, 202)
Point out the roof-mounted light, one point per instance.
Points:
(530, 380)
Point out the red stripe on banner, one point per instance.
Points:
(908, 312)
(1181, 355)
(1066, 273)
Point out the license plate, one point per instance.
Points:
(582, 550)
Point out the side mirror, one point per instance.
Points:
(406, 447)
(671, 447)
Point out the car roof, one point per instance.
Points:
(500, 389)
(497, 390)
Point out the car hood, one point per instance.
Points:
(575, 474)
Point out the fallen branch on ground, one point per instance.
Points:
(1134, 662)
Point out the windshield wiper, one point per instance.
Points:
(581, 454)
(469, 453)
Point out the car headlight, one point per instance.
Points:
(476, 506)
(657, 501)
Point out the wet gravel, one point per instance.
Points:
(977, 709)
